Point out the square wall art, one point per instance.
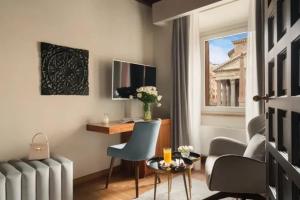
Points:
(64, 70)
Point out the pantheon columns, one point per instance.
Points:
(226, 94)
(230, 78)
(233, 92)
(242, 82)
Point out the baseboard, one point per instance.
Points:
(103, 174)
(96, 175)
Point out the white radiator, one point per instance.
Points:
(50, 179)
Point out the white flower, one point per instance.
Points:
(185, 149)
(153, 93)
(180, 148)
(158, 105)
(150, 91)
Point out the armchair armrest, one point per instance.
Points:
(222, 145)
(238, 174)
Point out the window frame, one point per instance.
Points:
(217, 110)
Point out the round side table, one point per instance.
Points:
(155, 165)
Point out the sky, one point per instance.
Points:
(219, 47)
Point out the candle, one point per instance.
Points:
(106, 119)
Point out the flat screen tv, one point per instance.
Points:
(127, 77)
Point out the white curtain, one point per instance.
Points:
(194, 83)
(252, 108)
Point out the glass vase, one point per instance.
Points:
(147, 112)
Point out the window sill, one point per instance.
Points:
(223, 111)
(228, 114)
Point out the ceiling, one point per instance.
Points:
(148, 2)
(228, 14)
(223, 16)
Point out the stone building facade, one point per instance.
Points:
(227, 80)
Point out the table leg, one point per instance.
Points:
(185, 185)
(190, 181)
(171, 182)
(155, 185)
(169, 188)
(159, 181)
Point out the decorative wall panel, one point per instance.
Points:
(64, 70)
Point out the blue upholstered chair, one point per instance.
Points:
(141, 146)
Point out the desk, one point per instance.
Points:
(125, 130)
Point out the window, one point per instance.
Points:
(225, 70)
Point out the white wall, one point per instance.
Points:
(167, 10)
(108, 29)
(221, 125)
(232, 123)
(211, 125)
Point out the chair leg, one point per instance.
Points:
(110, 171)
(137, 174)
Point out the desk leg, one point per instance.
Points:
(190, 181)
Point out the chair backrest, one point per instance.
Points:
(256, 125)
(142, 143)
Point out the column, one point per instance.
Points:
(228, 92)
(218, 93)
(242, 82)
(232, 94)
(224, 93)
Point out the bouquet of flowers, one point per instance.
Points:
(148, 95)
(185, 150)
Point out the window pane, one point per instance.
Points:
(226, 71)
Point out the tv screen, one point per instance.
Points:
(127, 77)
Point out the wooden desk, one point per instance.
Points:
(125, 129)
(114, 127)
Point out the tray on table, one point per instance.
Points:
(155, 163)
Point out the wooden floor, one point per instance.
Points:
(121, 187)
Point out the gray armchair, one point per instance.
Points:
(232, 171)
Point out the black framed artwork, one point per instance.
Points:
(64, 70)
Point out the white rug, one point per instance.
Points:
(199, 190)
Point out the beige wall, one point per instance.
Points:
(162, 60)
(108, 29)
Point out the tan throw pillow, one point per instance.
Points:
(256, 148)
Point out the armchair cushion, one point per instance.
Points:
(223, 145)
(235, 174)
(256, 148)
(209, 165)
